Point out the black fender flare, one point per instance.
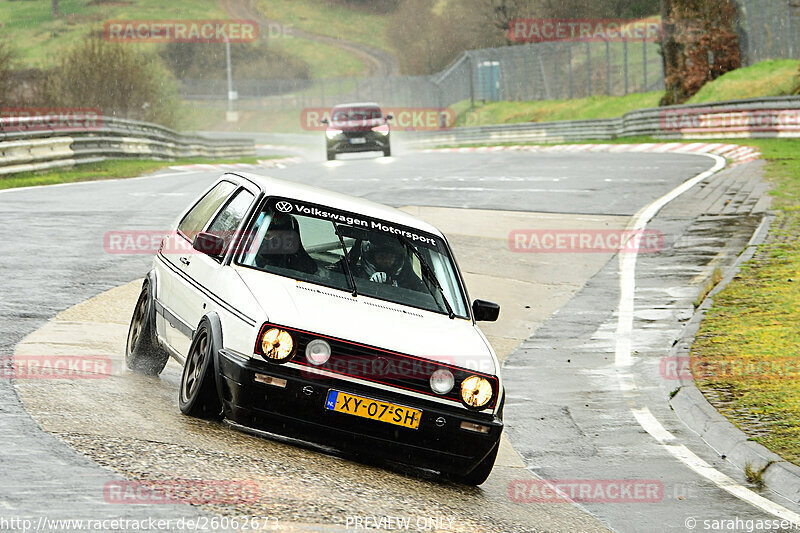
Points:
(151, 281)
(215, 331)
(502, 405)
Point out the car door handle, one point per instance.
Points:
(185, 261)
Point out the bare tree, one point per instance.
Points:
(500, 13)
(699, 45)
(55, 9)
(116, 79)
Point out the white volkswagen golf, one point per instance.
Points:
(328, 318)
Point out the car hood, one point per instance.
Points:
(365, 320)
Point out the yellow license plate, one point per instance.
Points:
(373, 409)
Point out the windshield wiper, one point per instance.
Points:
(346, 260)
(427, 271)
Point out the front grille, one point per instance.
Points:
(377, 365)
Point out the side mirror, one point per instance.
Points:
(389, 117)
(324, 121)
(209, 244)
(485, 311)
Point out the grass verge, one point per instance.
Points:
(38, 37)
(552, 110)
(752, 327)
(111, 169)
(767, 78)
(327, 18)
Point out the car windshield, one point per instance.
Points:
(349, 252)
(350, 115)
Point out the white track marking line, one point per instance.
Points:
(687, 457)
(623, 360)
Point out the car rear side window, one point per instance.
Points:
(197, 218)
(228, 220)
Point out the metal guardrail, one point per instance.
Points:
(756, 117)
(26, 144)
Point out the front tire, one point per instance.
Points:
(331, 156)
(142, 352)
(198, 392)
(387, 152)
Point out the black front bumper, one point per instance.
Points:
(298, 410)
(373, 142)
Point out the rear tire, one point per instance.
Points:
(480, 473)
(142, 352)
(198, 392)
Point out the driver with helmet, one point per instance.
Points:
(384, 259)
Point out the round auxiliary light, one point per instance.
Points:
(442, 381)
(277, 345)
(476, 391)
(318, 352)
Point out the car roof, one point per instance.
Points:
(358, 105)
(315, 195)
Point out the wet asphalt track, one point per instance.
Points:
(51, 258)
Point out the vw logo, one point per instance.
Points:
(284, 207)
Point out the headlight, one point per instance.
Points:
(332, 133)
(476, 391)
(383, 130)
(277, 345)
(318, 352)
(442, 381)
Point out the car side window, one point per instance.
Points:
(228, 220)
(197, 218)
(297, 246)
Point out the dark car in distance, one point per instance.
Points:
(357, 127)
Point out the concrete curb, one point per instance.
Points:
(777, 474)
